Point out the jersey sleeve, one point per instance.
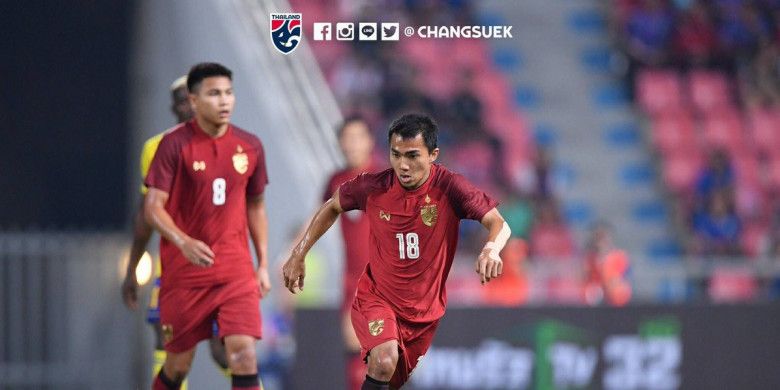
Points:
(147, 155)
(353, 193)
(259, 178)
(469, 201)
(164, 164)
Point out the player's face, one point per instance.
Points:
(411, 160)
(213, 101)
(181, 105)
(356, 143)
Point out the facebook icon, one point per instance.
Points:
(322, 32)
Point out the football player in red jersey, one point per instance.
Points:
(357, 145)
(414, 210)
(206, 186)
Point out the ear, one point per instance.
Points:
(191, 97)
(434, 154)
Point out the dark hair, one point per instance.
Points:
(200, 71)
(409, 125)
(347, 120)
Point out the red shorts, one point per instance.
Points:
(187, 314)
(375, 322)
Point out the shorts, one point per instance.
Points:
(375, 322)
(188, 314)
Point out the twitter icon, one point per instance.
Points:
(390, 31)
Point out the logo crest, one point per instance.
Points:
(240, 161)
(384, 215)
(429, 213)
(286, 31)
(167, 333)
(198, 166)
(376, 327)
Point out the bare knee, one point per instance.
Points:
(242, 359)
(382, 361)
(177, 366)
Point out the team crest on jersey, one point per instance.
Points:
(240, 161)
(167, 333)
(429, 213)
(286, 31)
(376, 327)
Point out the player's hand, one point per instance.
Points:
(130, 292)
(294, 271)
(489, 265)
(263, 280)
(197, 252)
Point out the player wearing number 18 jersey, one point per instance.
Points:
(414, 211)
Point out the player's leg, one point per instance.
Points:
(382, 361)
(375, 326)
(242, 360)
(217, 349)
(175, 369)
(416, 339)
(355, 366)
(240, 327)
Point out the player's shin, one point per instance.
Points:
(246, 382)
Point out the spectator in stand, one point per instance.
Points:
(741, 29)
(606, 267)
(550, 237)
(718, 229)
(649, 29)
(716, 176)
(762, 79)
(465, 108)
(695, 40)
(538, 181)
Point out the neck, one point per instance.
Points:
(212, 129)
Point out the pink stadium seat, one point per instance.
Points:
(564, 289)
(673, 132)
(680, 171)
(551, 241)
(470, 54)
(723, 129)
(764, 126)
(729, 285)
(659, 90)
(473, 160)
(754, 239)
(709, 90)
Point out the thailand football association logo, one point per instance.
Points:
(286, 31)
(376, 327)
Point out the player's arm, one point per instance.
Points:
(197, 252)
(257, 220)
(489, 264)
(141, 234)
(294, 269)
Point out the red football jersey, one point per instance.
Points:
(208, 180)
(354, 230)
(413, 236)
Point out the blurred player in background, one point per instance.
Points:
(357, 144)
(414, 210)
(206, 186)
(142, 232)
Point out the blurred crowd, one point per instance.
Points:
(706, 74)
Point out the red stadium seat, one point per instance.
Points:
(709, 90)
(659, 91)
(680, 171)
(764, 126)
(728, 285)
(754, 239)
(673, 132)
(723, 129)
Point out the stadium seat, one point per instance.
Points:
(680, 170)
(658, 91)
(723, 129)
(673, 131)
(730, 285)
(764, 126)
(709, 90)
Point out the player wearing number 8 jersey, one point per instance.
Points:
(414, 211)
(206, 187)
